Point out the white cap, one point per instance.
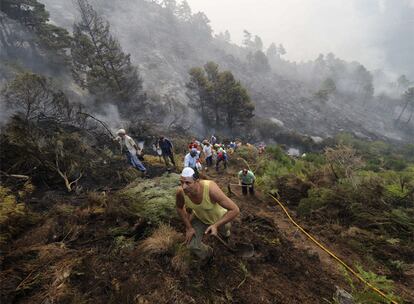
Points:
(187, 172)
(121, 131)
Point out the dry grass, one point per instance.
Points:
(162, 241)
(181, 261)
(153, 160)
(97, 199)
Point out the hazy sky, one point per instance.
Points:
(378, 33)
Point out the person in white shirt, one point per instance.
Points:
(130, 148)
(190, 160)
(208, 153)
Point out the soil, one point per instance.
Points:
(71, 256)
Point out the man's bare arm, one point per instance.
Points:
(217, 195)
(180, 206)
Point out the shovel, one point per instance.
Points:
(241, 249)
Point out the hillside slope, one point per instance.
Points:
(125, 246)
(165, 44)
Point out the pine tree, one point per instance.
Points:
(184, 11)
(48, 38)
(99, 64)
(219, 98)
(272, 51)
(281, 50)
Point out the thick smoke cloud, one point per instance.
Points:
(377, 33)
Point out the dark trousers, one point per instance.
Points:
(244, 188)
(219, 161)
(167, 156)
(209, 161)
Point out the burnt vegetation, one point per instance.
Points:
(77, 225)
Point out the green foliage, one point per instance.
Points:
(315, 158)
(99, 64)
(154, 200)
(220, 99)
(277, 164)
(248, 153)
(266, 128)
(403, 221)
(366, 295)
(259, 62)
(33, 15)
(276, 153)
(327, 89)
(408, 99)
(317, 198)
(408, 152)
(394, 163)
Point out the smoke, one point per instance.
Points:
(110, 116)
(5, 112)
(377, 33)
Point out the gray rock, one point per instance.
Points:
(343, 296)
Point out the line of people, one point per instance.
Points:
(212, 211)
(208, 152)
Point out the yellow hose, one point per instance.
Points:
(333, 255)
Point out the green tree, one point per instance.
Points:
(328, 88)
(281, 50)
(329, 85)
(224, 36)
(234, 100)
(33, 15)
(99, 64)
(218, 97)
(272, 51)
(408, 97)
(403, 82)
(199, 91)
(247, 40)
(184, 11)
(201, 27)
(363, 82)
(259, 62)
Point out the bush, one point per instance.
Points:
(366, 295)
(315, 158)
(393, 163)
(317, 198)
(248, 152)
(276, 153)
(153, 200)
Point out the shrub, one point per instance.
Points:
(315, 158)
(394, 163)
(248, 153)
(153, 200)
(317, 198)
(276, 153)
(366, 295)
